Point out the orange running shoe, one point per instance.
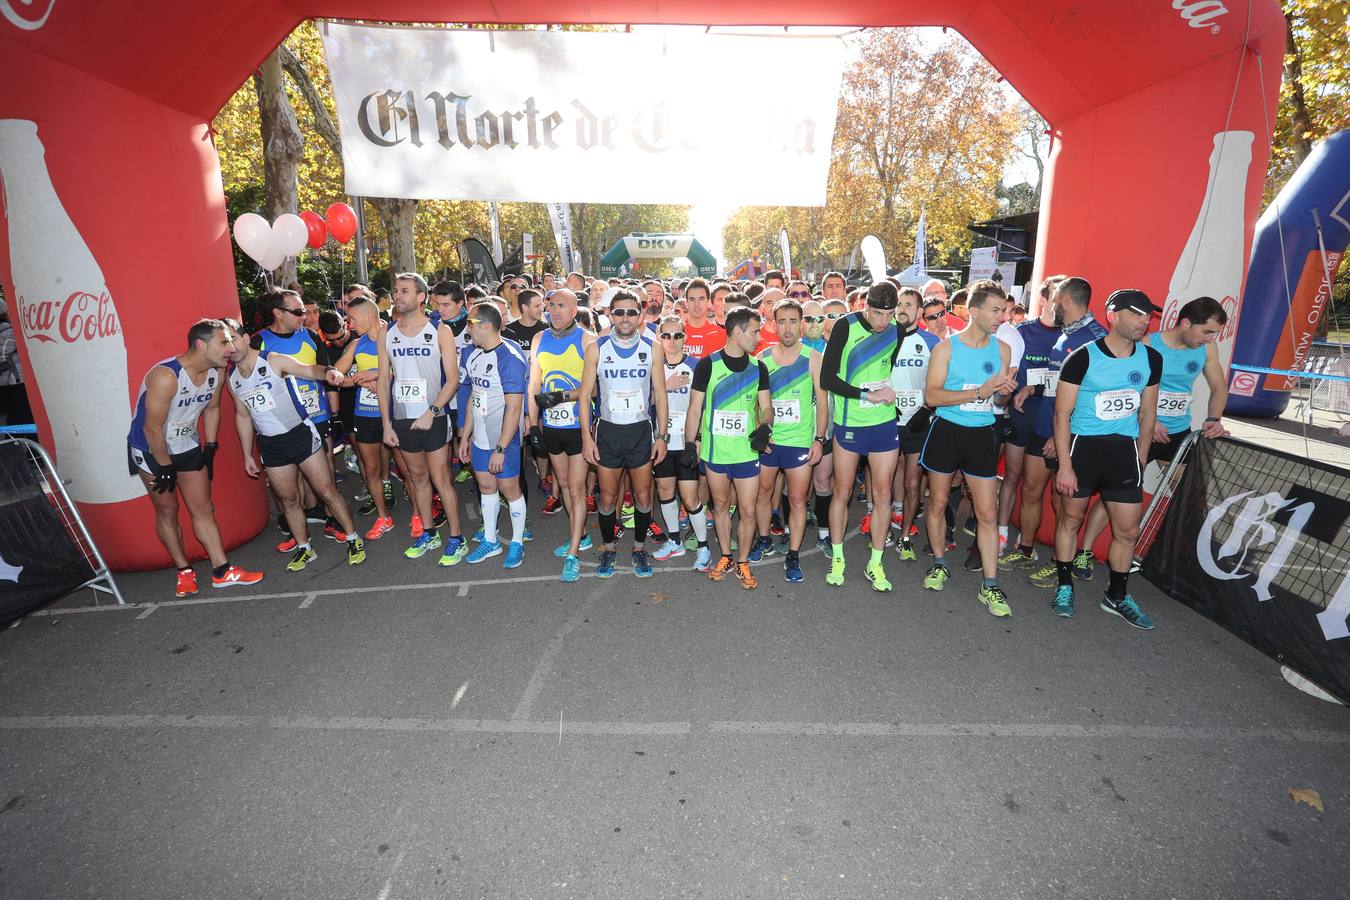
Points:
(865, 526)
(379, 528)
(287, 545)
(746, 577)
(187, 584)
(719, 571)
(416, 527)
(235, 576)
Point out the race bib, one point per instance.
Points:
(259, 401)
(479, 401)
(182, 431)
(308, 396)
(411, 391)
(985, 405)
(1174, 403)
(789, 412)
(1051, 383)
(675, 424)
(1037, 377)
(624, 402)
(561, 416)
(1111, 405)
(731, 424)
(872, 386)
(366, 397)
(907, 403)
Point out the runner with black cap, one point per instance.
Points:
(1105, 410)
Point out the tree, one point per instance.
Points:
(1313, 94)
(283, 147)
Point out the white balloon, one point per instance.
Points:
(289, 234)
(253, 235)
(273, 260)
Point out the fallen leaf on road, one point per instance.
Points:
(657, 598)
(1308, 796)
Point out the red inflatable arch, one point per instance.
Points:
(121, 95)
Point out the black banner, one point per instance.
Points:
(40, 559)
(1257, 540)
(479, 258)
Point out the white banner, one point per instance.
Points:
(606, 117)
(561, 216)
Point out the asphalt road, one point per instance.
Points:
(400, 730)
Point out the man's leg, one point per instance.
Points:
(610, 481)
(722, 494)
(438, 470)
(1013, 457)
(640, 482)
(798, 485)
(822, 486)
(1069, 517)
(418, 482)
(765, 494)
(1097, 518)
(195, 489)
(319, 474)
(1035, 475)
(1124, 535)
(881, 467)
(845, 470)
(167, 529)
(510, 487)
(913, 481)
(578, 471)
(935, 515)
(747, 489)
(372, 460)
(984, 494)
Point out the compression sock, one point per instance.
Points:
(1064, 570)
(490, 504)
(607, 526)
(642, 520)
(518, 509)
(1118, 587)
(670, 514)
(699, 522)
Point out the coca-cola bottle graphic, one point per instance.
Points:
(74, 350)
(1211, 264)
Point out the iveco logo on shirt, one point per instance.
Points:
(482, 382)
(410, 351)
(911, 363)
(625, 373)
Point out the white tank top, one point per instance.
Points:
(624, 379)
(271, 400)
(180, 424)
(677, 402)
(415, 371)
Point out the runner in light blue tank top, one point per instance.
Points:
(970, 367)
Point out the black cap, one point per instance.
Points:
(1134, 300)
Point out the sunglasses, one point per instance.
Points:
(799, 295)
(812, 320)
(934, 317)
(616, 313)
(473, 321)
(833, 316)
(518, 287)
(677, 336)
(299, 313)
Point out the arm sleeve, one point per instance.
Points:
(829, 365)
(1074, 369)
(702, 374)
(1155, 366)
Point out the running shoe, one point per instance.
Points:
(571, 569)
(950, 542)
(1062, 605)
(996, 601)
(367, 507)
(415, 528)
(478, 535)
(906, 550)
(823, 543)
(1017, 558)
(767, 546)
(757, 549)
(332, 529)
(745, 576)
(515, 555)
(356, 551)
(528, 534)
(1046, 576)
(429, 540)
(551, 506)
(484, 551)
(288, 545)
(591, 507)
(691, 540)
(187, 584)
(456, 548)
(302, 558)
(1128, 610)
(669, 550)
(655, 533)
(546, 485)
(877, 575)
(897, 520)
(974, 561)
(606, 567)
(776, 525)
(235, 576)
(723, 567)
(463, 475)
(702, 560)
(379, 528)
(792, 568)
(388, 495)
(586, 544)
(865, 526)
(971, 527)
(437, 512)
(641, 568)
(316, 514)
(281, 524)
(1083, 565)
(835, 576)
(936, 579)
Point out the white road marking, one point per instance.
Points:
(543, 669)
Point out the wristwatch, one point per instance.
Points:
(662, 437)
(499, 449)
(435, 410)
(820, 438)
(863, 393)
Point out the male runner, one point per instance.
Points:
(418, 374)
(265, 401)
(729, 405)
(178, 406)
(856, 369)
(833, 287)
(625, 375)
(361, 363)
(967, 375)
(673, 472)
(557, 361)
(813, 325)
(801, 412)
(1105, 409)
(909, 378)
(702, 336)
(497, 376)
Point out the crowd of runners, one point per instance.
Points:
(718, 422)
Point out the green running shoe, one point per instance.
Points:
(456, 548)
(836, 574)
(301, 559)
(877, 575)
(356, 552)
(1014, 558)
(1083, 565)
(1046, 576)
(1062, 605)
(996, 601)
(1128, 610)
(463, 475)
(906, 550)
(936, 579)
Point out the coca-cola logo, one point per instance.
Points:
(1201, 13)
(30, 15)
(80, 317)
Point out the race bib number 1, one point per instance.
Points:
(1112, 405)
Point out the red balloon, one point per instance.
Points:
(318, 232)
(341, 220)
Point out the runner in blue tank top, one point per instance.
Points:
(1105, 409)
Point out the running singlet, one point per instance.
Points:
(301, 347)
(910, 372)
(1180, 368)
(367, 360)
(415, 371)
(705, 340)
(623, 380)
(1037, 341)
(677, 401)
(793, 396)
(967, 369)
(491, 375)
(729, 411)
(1109, 389)
(865, 363)
(1076, 334)
(271, 400)
(561, 361)
(180, 424)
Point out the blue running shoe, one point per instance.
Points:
(515, 555)
(606, 567)
(456, 548)
(757, 549)
(703, 560)
(1062, 605)
(421, 546)
(484, 551)
(478, 535)
(1128, 610)
(792, 568)
(571, 569)
(529, 533)
(641, 568)
(586, 544)
(823, 544)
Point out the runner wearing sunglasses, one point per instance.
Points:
(674, 471)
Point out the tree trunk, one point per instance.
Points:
(397, 217)
(283, 148)
(1300, 124)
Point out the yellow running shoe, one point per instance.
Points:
(836, 574)
(996, 601)
(877, 575)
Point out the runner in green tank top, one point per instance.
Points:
(800, 414)
(729, 405)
